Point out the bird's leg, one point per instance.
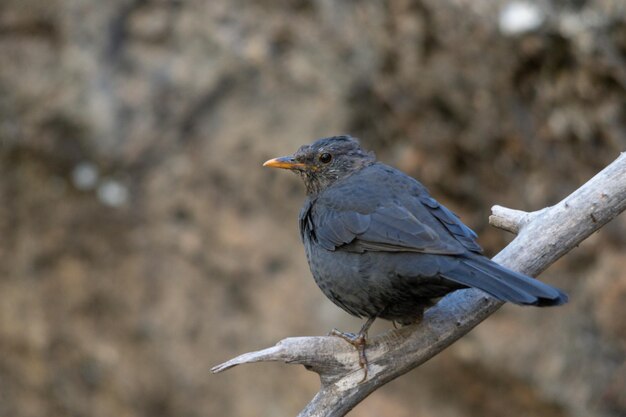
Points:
(358, 341)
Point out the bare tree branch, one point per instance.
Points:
(511, 220)
(543, 237)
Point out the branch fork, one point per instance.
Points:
(543, 236)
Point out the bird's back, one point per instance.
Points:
(378, 187)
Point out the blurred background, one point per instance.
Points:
(141, 241)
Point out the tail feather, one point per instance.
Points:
(505, 284)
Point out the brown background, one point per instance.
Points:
(118, 307)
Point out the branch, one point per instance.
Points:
(543, 237)
(512, 220)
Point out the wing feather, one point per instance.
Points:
(388, 228)
(398, 217)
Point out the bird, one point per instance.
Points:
(380, 246)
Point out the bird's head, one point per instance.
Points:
(325, 161)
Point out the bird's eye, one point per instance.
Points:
(325, 157)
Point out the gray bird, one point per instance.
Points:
(379, 245)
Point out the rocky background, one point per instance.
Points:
(141, 241)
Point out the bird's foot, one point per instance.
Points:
(358, 341)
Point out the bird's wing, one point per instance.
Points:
(463, 234)
(391, 227)
(382, 209)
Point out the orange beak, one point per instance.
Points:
(284, 162)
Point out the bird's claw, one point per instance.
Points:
(359, 342)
